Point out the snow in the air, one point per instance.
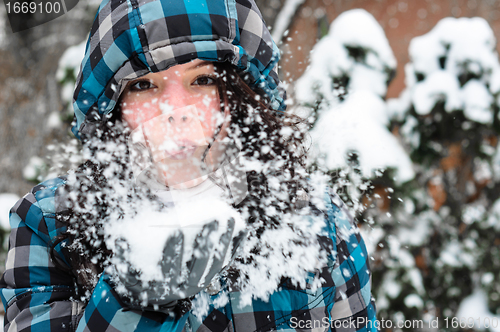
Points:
(138, 222)
(346, 121)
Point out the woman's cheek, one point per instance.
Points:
(212, 118)
(136, 114)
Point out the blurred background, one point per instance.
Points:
(401, 98)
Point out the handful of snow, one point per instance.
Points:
(147, 232)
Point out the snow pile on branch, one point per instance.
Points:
(456, 63)
(7, 201)
(356, 51)
(342, 91)
(359, 125)
(476, 306)
(34, 169)
(67, 71)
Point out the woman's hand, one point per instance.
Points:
(182, 277)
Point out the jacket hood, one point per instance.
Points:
(130, 38)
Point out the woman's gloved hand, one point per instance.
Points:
(188, 265)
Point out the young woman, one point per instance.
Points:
(192, 211)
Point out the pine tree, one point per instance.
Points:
(432, 223)
(448, 117)
(341, 95)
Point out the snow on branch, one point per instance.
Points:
(456, 63)
(342, 93)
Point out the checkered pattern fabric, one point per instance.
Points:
(37, 295)
(134, 37)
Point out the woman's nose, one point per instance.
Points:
(184, 123)
(181, 117)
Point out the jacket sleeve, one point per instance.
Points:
(38, 295)
(354, 306)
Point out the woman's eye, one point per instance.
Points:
(142, 85)
(204, 80)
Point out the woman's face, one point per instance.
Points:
(177, 113)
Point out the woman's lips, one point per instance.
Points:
(183, 149)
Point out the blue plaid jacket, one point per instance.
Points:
(37, 295)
